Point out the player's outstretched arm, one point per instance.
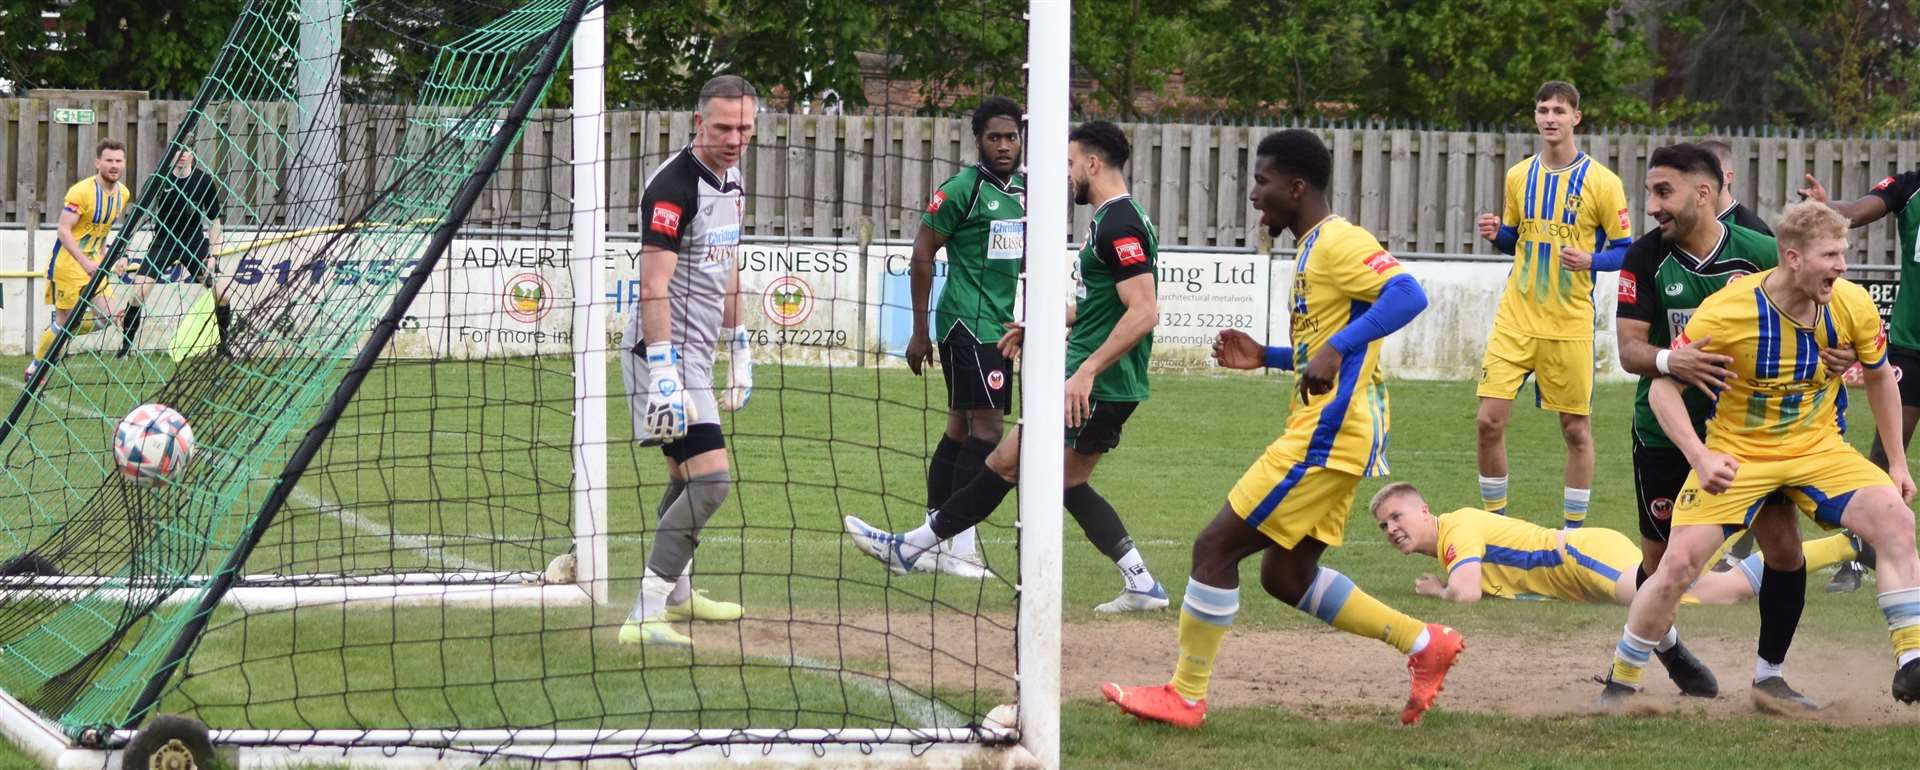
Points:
(920, 281)
(1861, 211)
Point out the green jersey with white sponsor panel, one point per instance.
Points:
(1121, 244)
(985, 221)
(1662, 285)
(1902, 195)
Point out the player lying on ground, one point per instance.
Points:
(979, 216)
(1107, 353)
(689, 305)
(1348, 294)
(1484, 554)
(1773, 431)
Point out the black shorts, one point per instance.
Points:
(701, 438)
(166, 255)
(1905, 360)
(1658, 474)
(1101, 432)
(978, 377)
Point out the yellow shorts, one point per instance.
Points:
(1289, 501)
(1562, 370)
(1820, 484)
(68, 281)
(1597, 557)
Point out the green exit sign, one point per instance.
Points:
(73, 117)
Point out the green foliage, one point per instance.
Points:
(1128, 47)
(165, 48)
(1262, 59)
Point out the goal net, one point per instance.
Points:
(416, 519)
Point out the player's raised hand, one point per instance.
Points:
(666, 417)
(1320, 373)
(1838, 360)
(1011, 339)
(1488, 225)
(1691, 364)
(1575, 259)
(1716, 471)
(1234, 349)
(1814, 191)
(919, 351)
(739, 371)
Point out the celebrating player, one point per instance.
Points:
(1487, 555)
(1348, 294)
(187, 210)
(979, 215)
(1898, 195)
(1565, 216)
(1107, 353)
(689, 304)
(1772, 430)
(92, 204)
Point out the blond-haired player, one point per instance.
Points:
(1772, 430)
(86, 218)
(1564, 217)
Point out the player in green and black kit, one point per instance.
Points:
(186, 212)
(1667, 274)
(1107, 352)
(1898, 195)
(1732, 212)
(979, 216)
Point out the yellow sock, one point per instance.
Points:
(1336, 601)
(1902, 608)
(46, 343)
(1630, 657)
(1205, 615)
(1828, 551)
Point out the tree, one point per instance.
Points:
(112, 44)
(1262, 59)
(1128, 47)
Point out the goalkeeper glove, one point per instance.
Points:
(739, 372)
(666, 417)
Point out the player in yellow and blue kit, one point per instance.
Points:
(1348, 294)
(1484, 554)
(1772, 430)
(1565, 216)
(86, 218)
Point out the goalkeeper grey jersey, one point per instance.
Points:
(696, 213)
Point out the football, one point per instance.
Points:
(154, 443)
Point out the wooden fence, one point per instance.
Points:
(815, 176)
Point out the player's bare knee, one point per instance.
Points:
(1577, 430)
(1005, 461)
(1491, 424)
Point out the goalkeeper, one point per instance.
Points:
(689, 304)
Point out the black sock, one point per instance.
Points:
(941, 469)
(971, 504)
(129, 326)
(1782, 596)
(1099, 520)
(223, 318)
(1640, 575)
(972, 460)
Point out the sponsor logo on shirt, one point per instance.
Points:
(933, 206)
(1629, 287)
(1381, 262)
(723, 246)
(1007, 239)
(993, 205)
(1674, 289)
(1884, 184)
(665, 220)
(1130, 251)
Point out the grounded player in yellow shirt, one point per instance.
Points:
(86, 218)
(1348, 294)
(1772, 430)
(1564, 217)
(1485, 554)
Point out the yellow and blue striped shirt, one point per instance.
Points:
(1516, 557)
(1546, 209)
(1337, 277)
(97, 210)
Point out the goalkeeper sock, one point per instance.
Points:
(1205, 615)
(1574, 504)
(652, 601)
(1493, 494)
(674, 487)
(680, 527)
